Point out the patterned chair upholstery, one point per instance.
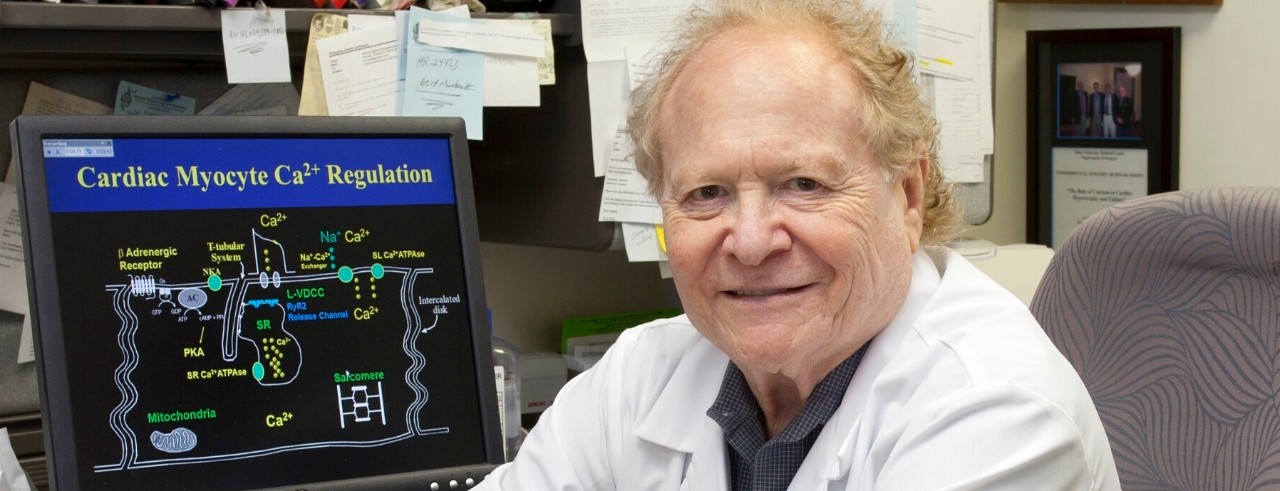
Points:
(1169, 307)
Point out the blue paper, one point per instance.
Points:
(443, 81)
(132, 98)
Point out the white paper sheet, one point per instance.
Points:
(607, 95)
(947, 37)
(608, 26)
(541, 27)
(359, 71)
(254, 99)
(42, 99)
(625, 197)
(957, 107)
(642, 62)
(512, 80)
(255, 46)
(356, 22)
(13, 276)
(641, 240)
(12, 477)
(1086, 180)
(485, 37)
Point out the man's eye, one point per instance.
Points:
(803, 184)
(706, 193)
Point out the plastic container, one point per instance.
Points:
(506, 371)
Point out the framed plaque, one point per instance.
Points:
(1102, 123)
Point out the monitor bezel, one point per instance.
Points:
(28, 133)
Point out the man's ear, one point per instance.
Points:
(913, 182)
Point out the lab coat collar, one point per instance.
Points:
(678, 418)
(832, 454)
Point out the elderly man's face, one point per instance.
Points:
(789, 245)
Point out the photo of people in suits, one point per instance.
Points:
(1100, 100)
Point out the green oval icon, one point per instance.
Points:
(258, 371)
(378, 271)
(345, 274)
(215, 282)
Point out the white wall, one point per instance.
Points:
(1230, 106)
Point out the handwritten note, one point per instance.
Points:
(443, 81)
(641, 241)
(255, 47)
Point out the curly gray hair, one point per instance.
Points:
(895, 122)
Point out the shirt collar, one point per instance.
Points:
(736, 406)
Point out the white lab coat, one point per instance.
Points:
(963, 390)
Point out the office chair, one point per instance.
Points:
(1169, 307)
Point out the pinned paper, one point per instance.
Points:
(42, 99)
(356, 22)
(541, 27)
(255, 47)
(546, 64)
(13, 277)
(948, 37)
(626, 195)
(510, 80)
(259, 99)
(132, 98)
(443, 81)
(642, 242)
(313, 101)
(480, 36)
(359, 71)
(608, 26)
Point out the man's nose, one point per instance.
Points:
(759, 231)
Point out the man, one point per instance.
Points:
(1083, 114)
(1095, 111)
(823, 346)
(1124, 113)
(1108, 114)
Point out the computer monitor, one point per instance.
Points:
(257, 302)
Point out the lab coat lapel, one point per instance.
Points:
(828, 462)
(678, 419)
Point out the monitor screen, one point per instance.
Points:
(256, 302)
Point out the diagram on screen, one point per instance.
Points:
(302, 336)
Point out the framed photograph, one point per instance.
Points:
(1102, 123)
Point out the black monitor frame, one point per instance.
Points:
(28, 133)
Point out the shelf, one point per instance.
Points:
(82, 32)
